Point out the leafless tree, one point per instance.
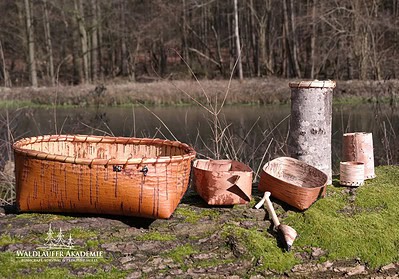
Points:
(348, 39)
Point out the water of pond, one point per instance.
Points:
(253, 130)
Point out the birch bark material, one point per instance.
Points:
(359, 147)
(311, 119)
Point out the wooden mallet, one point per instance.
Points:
(288, 233)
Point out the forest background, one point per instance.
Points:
(59, 42)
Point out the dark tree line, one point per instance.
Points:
(46, 42)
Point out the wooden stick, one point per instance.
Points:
(268, 204)
(270, 209)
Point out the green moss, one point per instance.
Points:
(179, 253)
(43, 217)
(193, 216)
(11, 268)
(113, 273)
(92, 243)
(95, 263)
(262, 247)
(82, 233)
(6, 239)
(366, 228)
(155, 236)
(49, 273)
(252, 203)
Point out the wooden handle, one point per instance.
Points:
(270, 209)
(261, 202)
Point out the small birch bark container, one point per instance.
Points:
(358, 147)
(351, 174)
(222, 182)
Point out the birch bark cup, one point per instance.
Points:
(351, 174)
(311, 122)
(359, 147)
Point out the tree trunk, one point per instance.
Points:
(6, 76)
(293, 39)
(94, 41)
(311, 119)
(163, 58)
(78, 75)
(124, 51)
(79, 12)
(31, 43)
(238, 44)
(219, 52)
(100, 42)
(313, 41)
(289, 27)
(134, 60)
(255, 40)
(49, 45)
(185, 52)
(284, 51)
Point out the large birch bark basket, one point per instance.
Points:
(222, 182)
(293, 181)
(358, 147)
(97, 174)
(311, 122)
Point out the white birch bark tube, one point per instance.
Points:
(311, 122)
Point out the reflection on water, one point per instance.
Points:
(253, 130)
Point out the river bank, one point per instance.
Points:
(349, 233)
(180, 92)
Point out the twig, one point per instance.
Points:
(160, 120)
(263, 158)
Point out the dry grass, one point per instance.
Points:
(169, 92)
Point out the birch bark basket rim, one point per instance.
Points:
(313, 84)
(356, 133)
(20, 147)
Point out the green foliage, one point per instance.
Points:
(113, 273)
(252, 203)
(10, 267)
(193, 216)
(263, 248)
(82, 233)
(42, 217)
(366, 228)
(179, 253)
(92, 243)
(155, 236)
(6, 239)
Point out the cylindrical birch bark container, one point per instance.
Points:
(351, 173)
(311, 120)
(359, 147)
